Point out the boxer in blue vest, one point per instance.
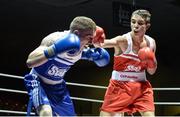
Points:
(53, 58)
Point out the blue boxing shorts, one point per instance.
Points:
(57, 96)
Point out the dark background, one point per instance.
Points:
(24, 23)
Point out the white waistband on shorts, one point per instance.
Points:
(45, 80)
(128, 76)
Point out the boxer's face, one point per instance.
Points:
(86, 37)
(138, 25)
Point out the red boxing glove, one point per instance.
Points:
(99, 36)
(151, 64)
(146, 55)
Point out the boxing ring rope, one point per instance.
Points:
(85, 85)
(15, 112)
(77, 98)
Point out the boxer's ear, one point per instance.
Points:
(148, 26)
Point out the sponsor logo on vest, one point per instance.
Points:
(56, 71)
(133, 68)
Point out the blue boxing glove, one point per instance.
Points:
(99, 55)
(70, 42)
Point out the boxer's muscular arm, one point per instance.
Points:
(110, 43)
(37, 56)
(117, 43)
(47, 50)
(101, 41)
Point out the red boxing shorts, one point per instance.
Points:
(128, 97)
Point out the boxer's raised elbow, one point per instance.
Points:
(29, 63)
